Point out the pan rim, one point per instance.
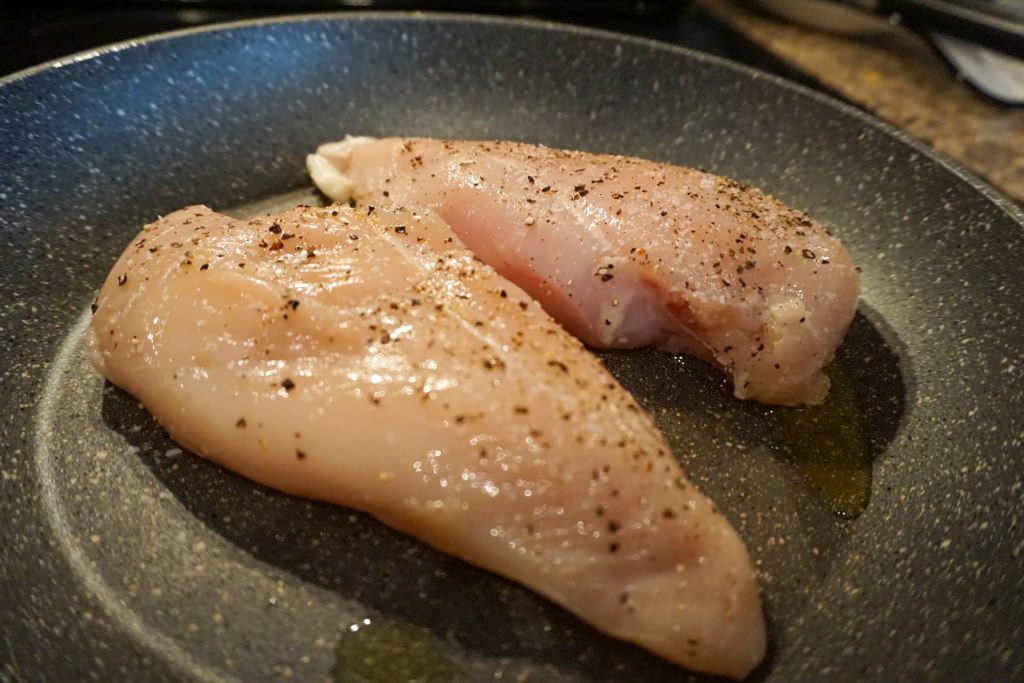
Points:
(1000, 200)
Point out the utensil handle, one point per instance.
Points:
(999, 28)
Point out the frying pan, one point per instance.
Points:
(123, 558)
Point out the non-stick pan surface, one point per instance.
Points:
(123, 558)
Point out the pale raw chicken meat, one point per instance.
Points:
(625, 252)
(365, 357)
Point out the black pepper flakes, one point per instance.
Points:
(400, 229)
(807, 253)
(121, 279)
(275, 228)
(288, 385)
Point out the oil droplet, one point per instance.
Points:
(829, 446)
(389, 650)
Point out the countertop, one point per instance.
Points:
(899, 77)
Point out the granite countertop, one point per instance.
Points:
(900, 78)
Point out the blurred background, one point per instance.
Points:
(948, 72)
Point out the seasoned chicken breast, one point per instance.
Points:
(625, 252)
(367, 358)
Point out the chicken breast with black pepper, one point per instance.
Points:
(625, 252)
(365, 357)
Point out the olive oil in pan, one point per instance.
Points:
(828, 445)
(384, 650)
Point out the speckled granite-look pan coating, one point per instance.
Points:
(124, 558)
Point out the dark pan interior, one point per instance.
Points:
(123, 558)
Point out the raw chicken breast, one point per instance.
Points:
(367, 358)
(625, 252)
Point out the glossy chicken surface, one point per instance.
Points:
(365, 357)
(625, 252)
